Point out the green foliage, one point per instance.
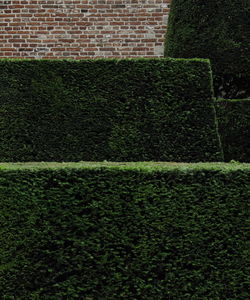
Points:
(218, 30)
(234, 128)
(120, 110)
(124, 233)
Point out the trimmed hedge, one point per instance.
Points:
(127, 232)
(218, 30)
(234, 128)
(119, 110)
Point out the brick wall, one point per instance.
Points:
(82, 29)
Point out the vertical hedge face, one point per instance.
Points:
(124, 234)
(234, 128)
(120, 110)
(218, 30)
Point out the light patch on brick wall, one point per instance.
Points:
(82, 28)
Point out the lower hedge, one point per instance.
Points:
(234, 128)
(126, 232)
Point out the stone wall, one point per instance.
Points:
(82, 28)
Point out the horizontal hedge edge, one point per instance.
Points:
(140, 166)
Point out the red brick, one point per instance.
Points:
(82, 29)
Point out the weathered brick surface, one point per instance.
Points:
(82, 28)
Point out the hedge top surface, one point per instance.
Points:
(137, 166)
(94, 60)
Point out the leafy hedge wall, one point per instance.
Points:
(127, 232)
(94, 110)
(218, 30)
(234, 128)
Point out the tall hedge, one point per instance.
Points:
(218, 30)
(94, 110)
(234, 128)
(126, 232)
